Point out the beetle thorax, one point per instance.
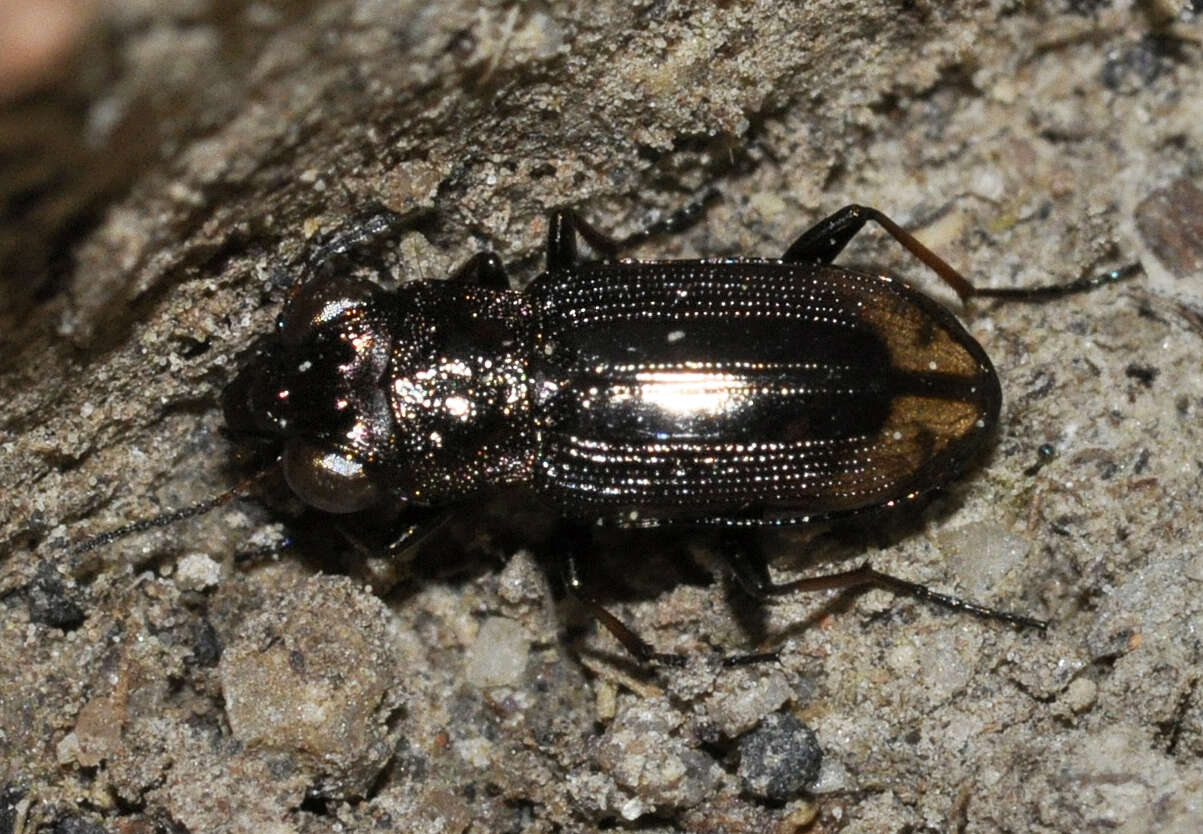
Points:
(457, 387)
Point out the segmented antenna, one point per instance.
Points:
(171, 516)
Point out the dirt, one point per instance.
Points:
(163, 192)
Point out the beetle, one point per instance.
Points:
(732, 393)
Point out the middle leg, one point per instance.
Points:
(566, 224)
(572, 540)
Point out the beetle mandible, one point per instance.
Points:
(729, 393)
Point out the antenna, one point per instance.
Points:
(171, 516)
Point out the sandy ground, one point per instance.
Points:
(157, 198)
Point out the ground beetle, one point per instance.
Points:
(731, 393)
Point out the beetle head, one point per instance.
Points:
(314, 390)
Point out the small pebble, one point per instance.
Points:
(1170, 221)
(780, 758)
(740, 701)
(76, 825)
(653, 766)
(499, 655)
(1081, 694)
(52, 601)
(196, 572)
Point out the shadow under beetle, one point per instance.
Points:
(730, 393)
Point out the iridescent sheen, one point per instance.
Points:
(644, 392)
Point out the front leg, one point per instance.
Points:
(360, 240)
(380, 556)
(401, 537)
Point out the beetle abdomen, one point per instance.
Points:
(722, 388)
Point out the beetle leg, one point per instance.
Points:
(482, 270)
(364, 234)
(257, 554)
(412, 530)
(742, 553)
(562, 230)
(635, 645)
(822, 242)
(408, 532)
(678, 221)
(1046, 291)
(752, 574)
(566, 224)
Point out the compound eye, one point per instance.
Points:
(320, 302)
(328, 480)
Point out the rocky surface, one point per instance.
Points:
(158, 196)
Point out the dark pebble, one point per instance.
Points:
(780, 758)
